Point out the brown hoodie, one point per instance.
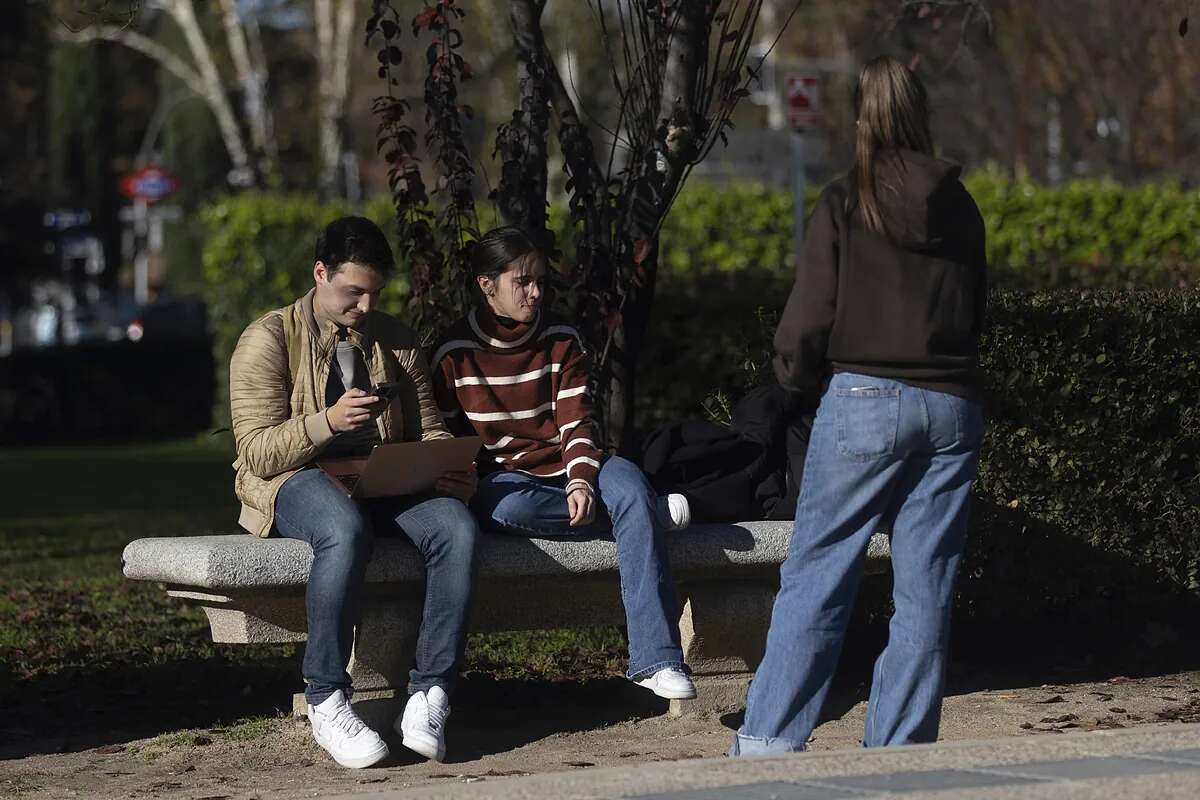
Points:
(907, 306)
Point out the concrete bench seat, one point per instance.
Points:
(253, 592)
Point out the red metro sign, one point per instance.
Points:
(148, 184)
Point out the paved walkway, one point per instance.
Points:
(1161, 761)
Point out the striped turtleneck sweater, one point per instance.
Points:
(523, 388)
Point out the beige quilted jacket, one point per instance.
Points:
(277, 383)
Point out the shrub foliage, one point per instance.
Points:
(1093, 449)
(1092, 453)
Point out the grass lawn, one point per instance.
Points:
(72, 628)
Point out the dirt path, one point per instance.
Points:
(502, 729)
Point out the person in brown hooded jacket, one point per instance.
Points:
(883, 326)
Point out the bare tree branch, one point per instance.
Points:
(142, 44)
(254, 104)
(98, 14)
(184, 14)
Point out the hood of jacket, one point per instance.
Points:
(912, 189)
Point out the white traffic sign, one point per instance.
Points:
(803, 101)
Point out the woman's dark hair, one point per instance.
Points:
(355, 239)
(498, 248)
(892, 109)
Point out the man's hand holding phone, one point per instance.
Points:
(354, 409)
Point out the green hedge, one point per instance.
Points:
(1088, 494)
(1088, 484)
(1085, 233)
(1087, 507)
(258, 255)
(1095, 233)
(257, 252)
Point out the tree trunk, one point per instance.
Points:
(184, 14)
(254, 105)
(522, 142)
(638, 249)
(333, 57)
(202, 78)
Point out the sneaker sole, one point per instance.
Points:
(668, 694)
(423, 745)
(361, 762)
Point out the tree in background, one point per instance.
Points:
(23, 157)
(225, 36)
(677, 70)
(1055, 90)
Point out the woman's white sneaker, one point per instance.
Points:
(423, 723)
(674, 511)
(671, 683)
(343, 735)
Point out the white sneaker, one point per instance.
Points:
(674, 511)
(344, 736)
(423, 724)
(671, 683)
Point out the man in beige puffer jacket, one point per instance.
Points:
(300, 389)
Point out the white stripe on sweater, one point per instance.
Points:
(580, 440)
(567, 329)
(520, 340)
(507, 380)
(501, 442)
(542, 474)
(457, 344)
(585, 459)
(495, 416)
(565, 393)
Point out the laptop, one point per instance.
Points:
(401, 468)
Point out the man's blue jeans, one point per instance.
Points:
(341, 532)
(519, 503)
(883, 455)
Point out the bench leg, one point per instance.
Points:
(724, 633)
(384, 643)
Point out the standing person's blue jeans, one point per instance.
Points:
(882, 454)
(523, 504)
(342, 532)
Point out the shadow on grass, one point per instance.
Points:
(79, 709)
(498, 715)
(1033, 606)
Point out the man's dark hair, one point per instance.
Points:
(355, 239)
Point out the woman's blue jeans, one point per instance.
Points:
(522, 504)
(883, 455)
(341, 532)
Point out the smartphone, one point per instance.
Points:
(386, 391)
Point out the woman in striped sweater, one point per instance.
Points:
(517, 376)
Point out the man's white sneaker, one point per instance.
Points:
(423, 723)
(674, 511)
(344, 736)
(671, 683)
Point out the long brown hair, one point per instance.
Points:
(893, 111)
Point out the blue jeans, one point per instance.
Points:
(522, 504)
(882, 455)
(341, 532)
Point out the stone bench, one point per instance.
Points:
(253, 592)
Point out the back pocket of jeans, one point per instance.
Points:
(867, 419)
